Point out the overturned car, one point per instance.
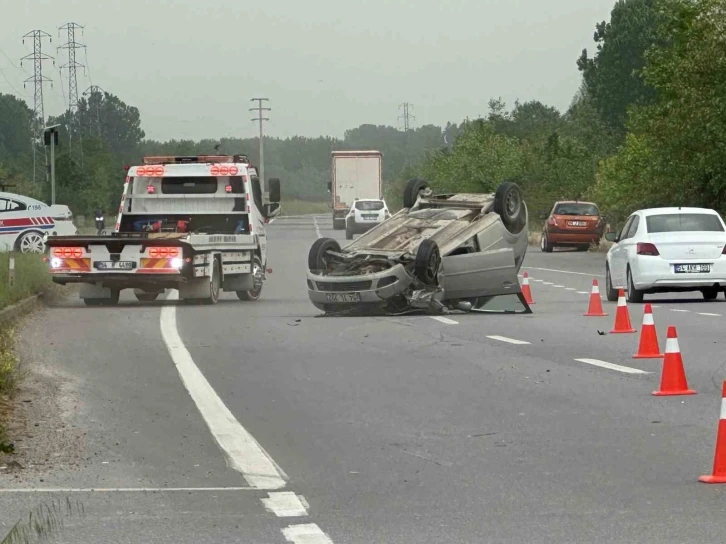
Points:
(439, 253)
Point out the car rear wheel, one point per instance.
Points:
(427, 263)
(509, 204)
(316, 256)
(610, 293)
(544, 243)
(411, 193)
(634, 295)
(710, 294)
(348, 231)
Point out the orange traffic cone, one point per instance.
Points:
(648, 348)
(622, 317)
(673, 380)
(595, 307)
(718, 476)
(526, 291)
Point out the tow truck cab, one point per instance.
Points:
(196, 224)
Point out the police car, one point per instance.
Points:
(25, 223)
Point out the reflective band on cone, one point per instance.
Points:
(718, 476)
(673, 380)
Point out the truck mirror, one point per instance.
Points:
(274, 189)
(271, 210)
(330, 186)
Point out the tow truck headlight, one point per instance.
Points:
(177, 262)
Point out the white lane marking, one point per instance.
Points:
(558, 285)
(570, 289)
(123, 489)
(547, 283)
(654, 306)
(611, 366)
(710, 315)
(241, 450)
(683, 311)
(444, 320)
(285, 504)
(564, 272)
(508, 340)
(532, 279)
(308, 533)
(317, 227)
(583, 293)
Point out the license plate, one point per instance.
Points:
(692, 268)
(577, 223)
(114, 265)
(343, 297)
(369, 217)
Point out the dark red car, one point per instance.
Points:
(572, 224)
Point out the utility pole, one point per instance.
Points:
(50, 138)
(94, 91)
(71, 45)
(261, 118)
(38, 79)
(406, 117)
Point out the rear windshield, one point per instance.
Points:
(684, 222)
(577, 209)
(369, 206)
(189, 185)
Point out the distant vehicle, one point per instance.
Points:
(667, 250)
(572, 224)
(355, 174)
(25, 223)
(364, 214)
(196, 224)
(440, 252)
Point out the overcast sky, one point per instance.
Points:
(326, 65)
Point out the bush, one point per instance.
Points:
(31, 277)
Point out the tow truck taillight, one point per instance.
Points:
(150, 189)
(163, 252)
(646, 248)
(150, 171)
(223, 170)
(228, 188)
(68, 252)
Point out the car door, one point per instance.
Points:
(619, 256)
(482, 274)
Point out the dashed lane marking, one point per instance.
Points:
(317, 227)
(678, 310)
(445, 320)
(285, 504)
(564, 272)
(547, 283)
(308, 533)
(710, 315)
(583, 293)
(570, 289)
(241, 450)
(611, 366)
(558, 286)
(508, 340)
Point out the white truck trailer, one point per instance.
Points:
(355, 174)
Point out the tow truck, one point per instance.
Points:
(191, 223)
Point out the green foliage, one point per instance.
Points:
(31, 277)
(8, 363)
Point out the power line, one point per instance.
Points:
(261, 118)
(71, 45)
(38, 79)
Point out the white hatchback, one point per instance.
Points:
(25, 222)
(364, 214)
(668, 250)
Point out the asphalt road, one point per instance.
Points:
(478, 428)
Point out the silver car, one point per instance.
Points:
(438, 253)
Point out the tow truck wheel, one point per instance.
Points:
(146, 297)
(253, 294)
(110, 301)
(214, 284)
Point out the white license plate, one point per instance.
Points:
(577, 223)
(342, 297)
(370, 217)
(692, 268)
(114, 265)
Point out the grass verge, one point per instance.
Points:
(8, 380)
(31, 277)
(303, 207)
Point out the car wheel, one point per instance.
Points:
(31, 242)
(146, 297)
(411, 193)
(710, 294)
(509, 204)
(348, 232)
(610, 293)
(93, 301)
(427, 262)
(254, 293)
(338, 224)
(316, 256)
(544, 243)
(583, 247)
(634, 295)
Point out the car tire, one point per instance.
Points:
(146, 297)
(338, 224)
(93, 301)
(253, 294)
(412, 190)
(427, 263)
(610, 293)
(316, 255)
(710, 294)
(348, 232)
(634, 295)
(509, 204)
(583, 247)
(31, 242)
(544, 243)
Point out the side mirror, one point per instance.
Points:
(330, 186)
(274, 189)
(611, 236)
(271, 210)
(543, 216)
